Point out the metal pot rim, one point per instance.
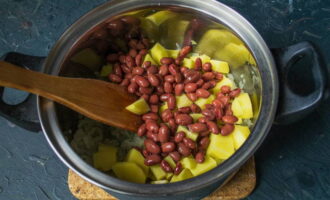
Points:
(216, 10)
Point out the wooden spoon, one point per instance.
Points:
(98, 100)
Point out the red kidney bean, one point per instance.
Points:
(165, 166)
(228, 110)
(192, 96)
(141, 81)
(197, 127)
(169, 78)
(175, 156)
(126, 70)
(153, 80)
(133, 79)
(202, 93)
(198, 64)
(164, 154)
(225, 99)
(172, 68)
(151, 146)
(145, 153)
(172, 124)
(185, 50)
(218, 76)
(171, 102)
(152, 126)
(217, 103)
(113, 57)
(195, 108)
(125, 82)
(154, 99)
(178, 89)
(150, 115)
(207, 67)
(130, 61)
(225, 89)
(178, 168)
(146, 64)
(166, 115)
(132, 53)
(190, 87)
(189, 143)
(137, 71)
(229, 119)
(138, 60)
(178, 60)
(179, 136)
(146, 42)
(234, 93)
(183, 149)
(163, 133)
(143, 52)
(202, 120)
(168, 147)
(185, 110)
(132, 87)
(142, 130)
(152, 136)
(168, 88)
(154, 108)
(192, 76)
(140, 46)
(166, 60)
(144, 90)
(227, 129)
(205, 133)
(213, 127)
(152, 159)
(163, 70)
(115, 78)
(175, 113)
(152, 69)
(209, 106)
(183, 69)
(219, 95)
(122, 59)
(183, 119)
(164, 97)
(204, 143)
(208, 76)
(145, 97)
(200, 157)
(200, 83)
(178, 77)
(212, 83)
(209, 114)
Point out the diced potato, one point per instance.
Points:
(89, 58)
(157, 172)
(136, 157)
(129, 171)
(208, 164)
(170, 161)
(183, 101)
(139, 107)
(196, 116)
(202, 101)
(105, 158)
(159, 182)
(163, 107)
(169, 176)
(239, 121)
(173, 53)
(203, 57)
(188, 162)
(172, 32)
(187, 62)
(219, 161)
(106, 70)
(158, 52)
(189, 134)
(220, 66)
(224, 81)
(149, 58)
(150, 29)
(185, 174)
(240, 134)
(220, 147)
(160, 16)
(242, 106)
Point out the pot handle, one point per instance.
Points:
(25, 113)
(293, 105)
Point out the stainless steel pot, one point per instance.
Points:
(51, 117)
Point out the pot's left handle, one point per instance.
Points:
(25, 113)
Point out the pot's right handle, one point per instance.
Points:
(293, 106)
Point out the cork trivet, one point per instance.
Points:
(240, 186)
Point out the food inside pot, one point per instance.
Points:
(196, 95)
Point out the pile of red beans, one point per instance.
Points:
(159, 84)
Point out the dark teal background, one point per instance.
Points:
(294, 163)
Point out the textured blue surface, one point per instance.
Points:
(294, 163)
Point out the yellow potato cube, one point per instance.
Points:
(160, 16)
(157, 172)
(208, 164)
(139, 107)
(187, 62)
(220, 66)
(170, 161)
(202, 101)
(159, 182)
(242, 106)
(149, 58)
(196, 116)
(136, 157)
(185, 174)
(224, 81)
(169, 176)
(189, 134)
(188, 162)
(173, 53)
(183, 101)
(240, 134)
(129, 171)
(106, 70)
(158, 52)
(105, 158)
(203, 57)
(163, 107)
(89, 58)
(220, 147)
